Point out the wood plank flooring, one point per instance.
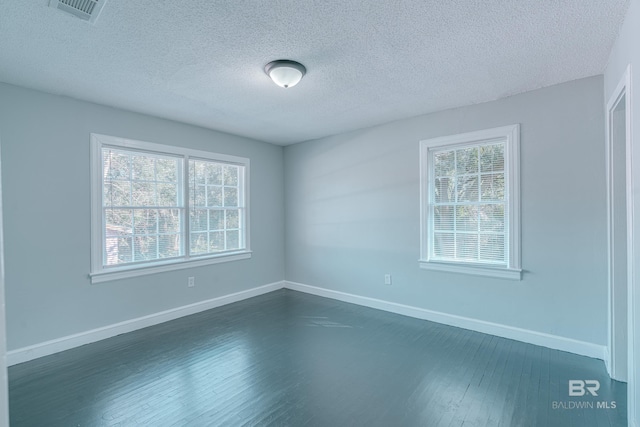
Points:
(292, 359)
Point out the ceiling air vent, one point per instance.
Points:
(87, 10)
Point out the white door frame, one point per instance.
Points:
(622, 90)
(4, 391)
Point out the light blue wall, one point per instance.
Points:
(626, 52)
(45, 178)
(352, 214)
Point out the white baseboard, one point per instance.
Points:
(26, 354)
(65, 343)
(510, 332)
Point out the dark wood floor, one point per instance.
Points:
(291, 359)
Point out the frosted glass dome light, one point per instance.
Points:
(285, 73)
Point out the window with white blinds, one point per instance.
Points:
(142, 207)
(216, 210)
(470, 203)
(157, 207)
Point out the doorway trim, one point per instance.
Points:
(622, 90)
(4, 389)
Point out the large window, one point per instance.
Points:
(470, 203)
(158, 207)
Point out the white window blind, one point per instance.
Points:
(142, 209)
(469, 205)
(216, 210)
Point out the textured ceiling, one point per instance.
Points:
(368, 62)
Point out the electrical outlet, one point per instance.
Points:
(387, 279)
(192, 282)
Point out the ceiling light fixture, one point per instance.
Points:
(285, 73)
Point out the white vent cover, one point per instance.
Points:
(83, 9)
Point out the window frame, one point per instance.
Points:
(510, 135)
(98, 272)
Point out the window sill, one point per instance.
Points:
(476, 270)
(127, 272)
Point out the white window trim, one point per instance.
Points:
(98, 273)
(511, 133)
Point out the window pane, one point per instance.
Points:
(231, 175)
(169, 221)
(143, 194)
(145, 221)
(232, 219)
(216, 241)
(492, 218)
(233, 239)
(444, 190)
(198, 220)
(142, 188)
(169, 246)
(118, 221)
(467, 247)
(492, 247)
(214, 196)
(117, 193)
(467, 188)
(444, 245)
(143, 168)
(115, 165)
(145, 248)
(167, 194)
(166, 170)
(118, 236)
(467, 160)
(493, 187)
(197, 172)
(198, 243)
(198, 196)
(118, 250)
(444, 163)
(492, 158)
(230, 196)
(467, 218)
(214, 173)
(216, 220)
(443, 218)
